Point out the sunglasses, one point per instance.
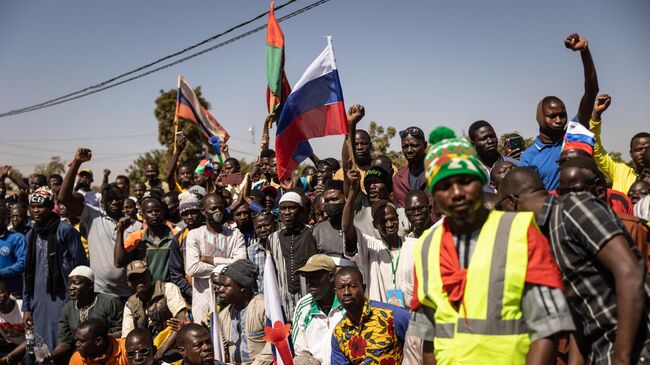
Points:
(142, 352)
(412, 131)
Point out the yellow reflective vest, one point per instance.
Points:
(488, 328)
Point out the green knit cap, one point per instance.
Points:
(449, 155)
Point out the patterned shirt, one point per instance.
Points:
(256, 254)
(378, 339)
(579, 225)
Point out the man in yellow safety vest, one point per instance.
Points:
(487, 290)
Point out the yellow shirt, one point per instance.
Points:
(622, 175)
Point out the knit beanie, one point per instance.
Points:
(187, 202)
(448, 156)
(242, 272)
(42, 195)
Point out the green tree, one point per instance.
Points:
(380, 138)
(55, 166)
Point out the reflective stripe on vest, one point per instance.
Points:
(492, 298)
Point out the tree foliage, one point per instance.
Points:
(164, 112)
(55, 166)
(380, 138)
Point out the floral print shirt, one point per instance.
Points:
(378, 339)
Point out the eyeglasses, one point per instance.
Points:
(413, 131)
(419, 209)
(142, 352)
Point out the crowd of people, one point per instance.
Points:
(475, 251)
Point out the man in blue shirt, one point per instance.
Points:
(551, 116)
(12, 254)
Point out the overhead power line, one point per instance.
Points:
(110, 83)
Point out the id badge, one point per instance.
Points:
(395, 297)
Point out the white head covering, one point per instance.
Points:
(84, 271)
(291, 196)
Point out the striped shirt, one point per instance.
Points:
(579, 225)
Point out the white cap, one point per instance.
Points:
(84, 271)
(291, 196)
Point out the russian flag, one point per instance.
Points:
(313, 109)
(578, 137)
(188, 107)
(277, 331)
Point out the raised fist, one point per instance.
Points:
(107, 172)
(575, 42)
(356, 113)
(83, 154)
(602, 103)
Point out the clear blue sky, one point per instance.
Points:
(424, 63)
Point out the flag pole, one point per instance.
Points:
(176, 114)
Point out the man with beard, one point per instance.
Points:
(291, 247)
(552, 119)
(83, 187)
(190, 210)
(242, 315)
(485, 142)
(152, 243)
(486, 280)
(155, 306)
(328, 233)
(370, 330)
(85, 303)
(410, 177)
(318, 312)
(208, 247)
(101, 227)
(53, 249)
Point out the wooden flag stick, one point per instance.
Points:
(351, 153)
(176, 115)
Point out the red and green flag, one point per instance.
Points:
(278, 86)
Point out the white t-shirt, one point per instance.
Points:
(11, 326)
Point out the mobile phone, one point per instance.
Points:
(515, 142)
(232, 179)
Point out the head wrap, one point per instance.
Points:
(42, 195)
(188, 201)
(448, 156)
(378, 174)
(291, 196)
(242, 272)
(84, 271)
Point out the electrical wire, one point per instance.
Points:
(108, 84)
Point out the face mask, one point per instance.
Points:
(217, 216)
(334, 209)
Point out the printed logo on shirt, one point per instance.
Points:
(5, 251)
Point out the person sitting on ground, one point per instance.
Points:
(242, 315)
(195, 345)
(12, 329)
(140, 349)
(551, 117)
(370, 329)
(152, 243)
(156, 306)
(318, 312)
(208, 247)
(85, 303)
(620, 173)
(95, 345)
(601, 267)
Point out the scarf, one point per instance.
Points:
(48, 230)
(453, 277)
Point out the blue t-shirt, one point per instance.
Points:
(12, 260)
(544, 158)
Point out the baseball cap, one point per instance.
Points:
(136, 267)
(318, 262)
